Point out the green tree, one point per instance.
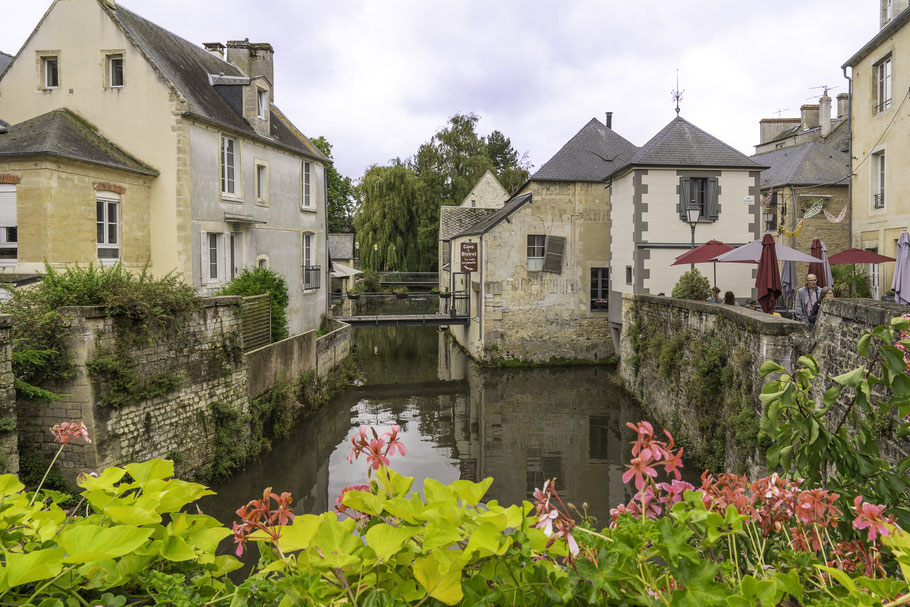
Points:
(692, 285)
(340, 193)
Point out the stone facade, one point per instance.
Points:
(9, 442)
(333, 347)
(487, 193)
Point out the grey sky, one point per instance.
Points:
(378, 78)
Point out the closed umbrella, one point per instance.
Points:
(901, 282)
(788, 280)
(768, 280)
(817, 267)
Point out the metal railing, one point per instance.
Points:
(878, 201)
(400, 304)
(407, 278)
(311, 277)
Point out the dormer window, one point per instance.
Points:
(50, 72)
(263, 103)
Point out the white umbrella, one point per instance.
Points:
(751, 251)
(828, 276)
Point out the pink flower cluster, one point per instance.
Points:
(66, 432)
(554, 522)
(259, 517)
(378, 448)
(648, 453)
(901, 336)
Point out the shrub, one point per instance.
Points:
(850, 281)
(369, 282)
(258, 281)
(692, 285)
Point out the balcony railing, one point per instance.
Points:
(881, 107)
(311, 277)
(878, 201)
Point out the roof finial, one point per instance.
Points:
(677, 95)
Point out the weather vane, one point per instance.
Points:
(677, 95)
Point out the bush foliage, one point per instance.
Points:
(692, 285)
(259, 281)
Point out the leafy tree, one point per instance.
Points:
(692, 285)
(341, 200)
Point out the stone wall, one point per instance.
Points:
(9, 443)
(333, 347)
(274, 364)
(695, 366)
(201, 354)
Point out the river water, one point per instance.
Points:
(520, 426)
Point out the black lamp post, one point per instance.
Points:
(693, 212)
(770, 213)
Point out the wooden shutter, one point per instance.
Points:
(204, 257)
(683, 197)
(712, 208)
(7, 205)
(552, 258)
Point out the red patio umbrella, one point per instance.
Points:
(818, 267)
(768, 280)
(858, 256)
(703, 254)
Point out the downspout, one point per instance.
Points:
(480, 299)
(850, 155)
(325, 224)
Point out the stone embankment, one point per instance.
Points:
(155, 395)
(695, 366)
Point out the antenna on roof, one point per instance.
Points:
(677, 95)
(823, 86)
(780, 111)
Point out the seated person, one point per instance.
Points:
(730, 298)
(715, 298)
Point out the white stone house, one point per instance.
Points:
(238, 184)
(649, 195)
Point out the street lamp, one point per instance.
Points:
(769, 214)
(693, 212)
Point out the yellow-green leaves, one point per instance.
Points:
(387, 541)
(440, 574)
(85, 543)
(30, 567)
(299, 534)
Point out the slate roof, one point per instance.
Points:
(62, 133)
(807, 164)
(493, 219)
(591, 155)
(341, 246)
(188, 66)
(454, 220)
(682, 144)
(4, 61)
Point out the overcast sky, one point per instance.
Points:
(379, 77)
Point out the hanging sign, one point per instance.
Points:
(469, 257)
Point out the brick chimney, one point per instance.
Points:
(843, 105)
(824, 113)
(770, 128)
(215, 48)
(255, 60)
(809, 115)
(609, 122)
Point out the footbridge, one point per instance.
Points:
(401, 309)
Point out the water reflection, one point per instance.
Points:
(520, 426)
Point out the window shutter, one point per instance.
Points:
(204, 271)
(713, 208)
(683, 197)
(552, 259)
(7, 205)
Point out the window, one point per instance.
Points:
(600, 288)
(882, 85)
(262, 183)
(878, 180)
(212, 257)
(51, 73)
(306, 180)
(309, 272)
(115, 69)
(537, 244)
(262, 102)
(227, 166)
(262, 261)
(9, 233)
(702, 192)
(628, 275)
(107, 218)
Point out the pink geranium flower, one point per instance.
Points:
(639, 468)
(869, 516)
(66, 432)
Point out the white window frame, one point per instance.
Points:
(228, 184)
(883, 85)
(307, 251)
(220, 264)
(45, 73)
(262, 103)
(114, 57)
(106, 200)
(879, 179)
(306, 184)
(8, 221)
(537, 243)
(261, 182)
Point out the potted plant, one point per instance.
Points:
(445, 295)
(401, 292)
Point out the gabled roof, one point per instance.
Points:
(807, 164)
(64, 134)
(490, 178)
(682, 144)
(493, 219)
(341, 246)
(454, 220)
(187, 67)
(592, 154)
(4, 61)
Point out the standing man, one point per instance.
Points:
(806, 298)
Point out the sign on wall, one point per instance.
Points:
(469, 257)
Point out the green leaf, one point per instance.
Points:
(851, 378)
(486, 540)
(387, 541)
(299, 534)
(103, 482)
(440, 574)
(831, 395)
(808, 362)
(862, 346)
(153, 469)
(440, 532)
(841, 577)
(176, 549)
(364, 502)
(471, 493)
(132, 515)
(768, 367)
(813, 430)
(434, 491)
(395, 484)
(86, 543)
(32, 566)
(9, 485)
(336, 541)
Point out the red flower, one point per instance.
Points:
(638, 468)
(66, 432)
(258, 515)
(394, 441)
(869, 516)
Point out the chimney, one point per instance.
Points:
(609, 120)
(809, 115)
(824, 113)
(843, 105)
(770, 128)
(215, 48)
(253, 59)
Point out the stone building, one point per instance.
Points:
(540, 290)
(231, 181)
(343, 259)
(881, 137)
(650, 191)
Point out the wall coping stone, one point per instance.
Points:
(6, 321)
(866, 311)
(102, 311)
(766, 324)
(338, 327)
